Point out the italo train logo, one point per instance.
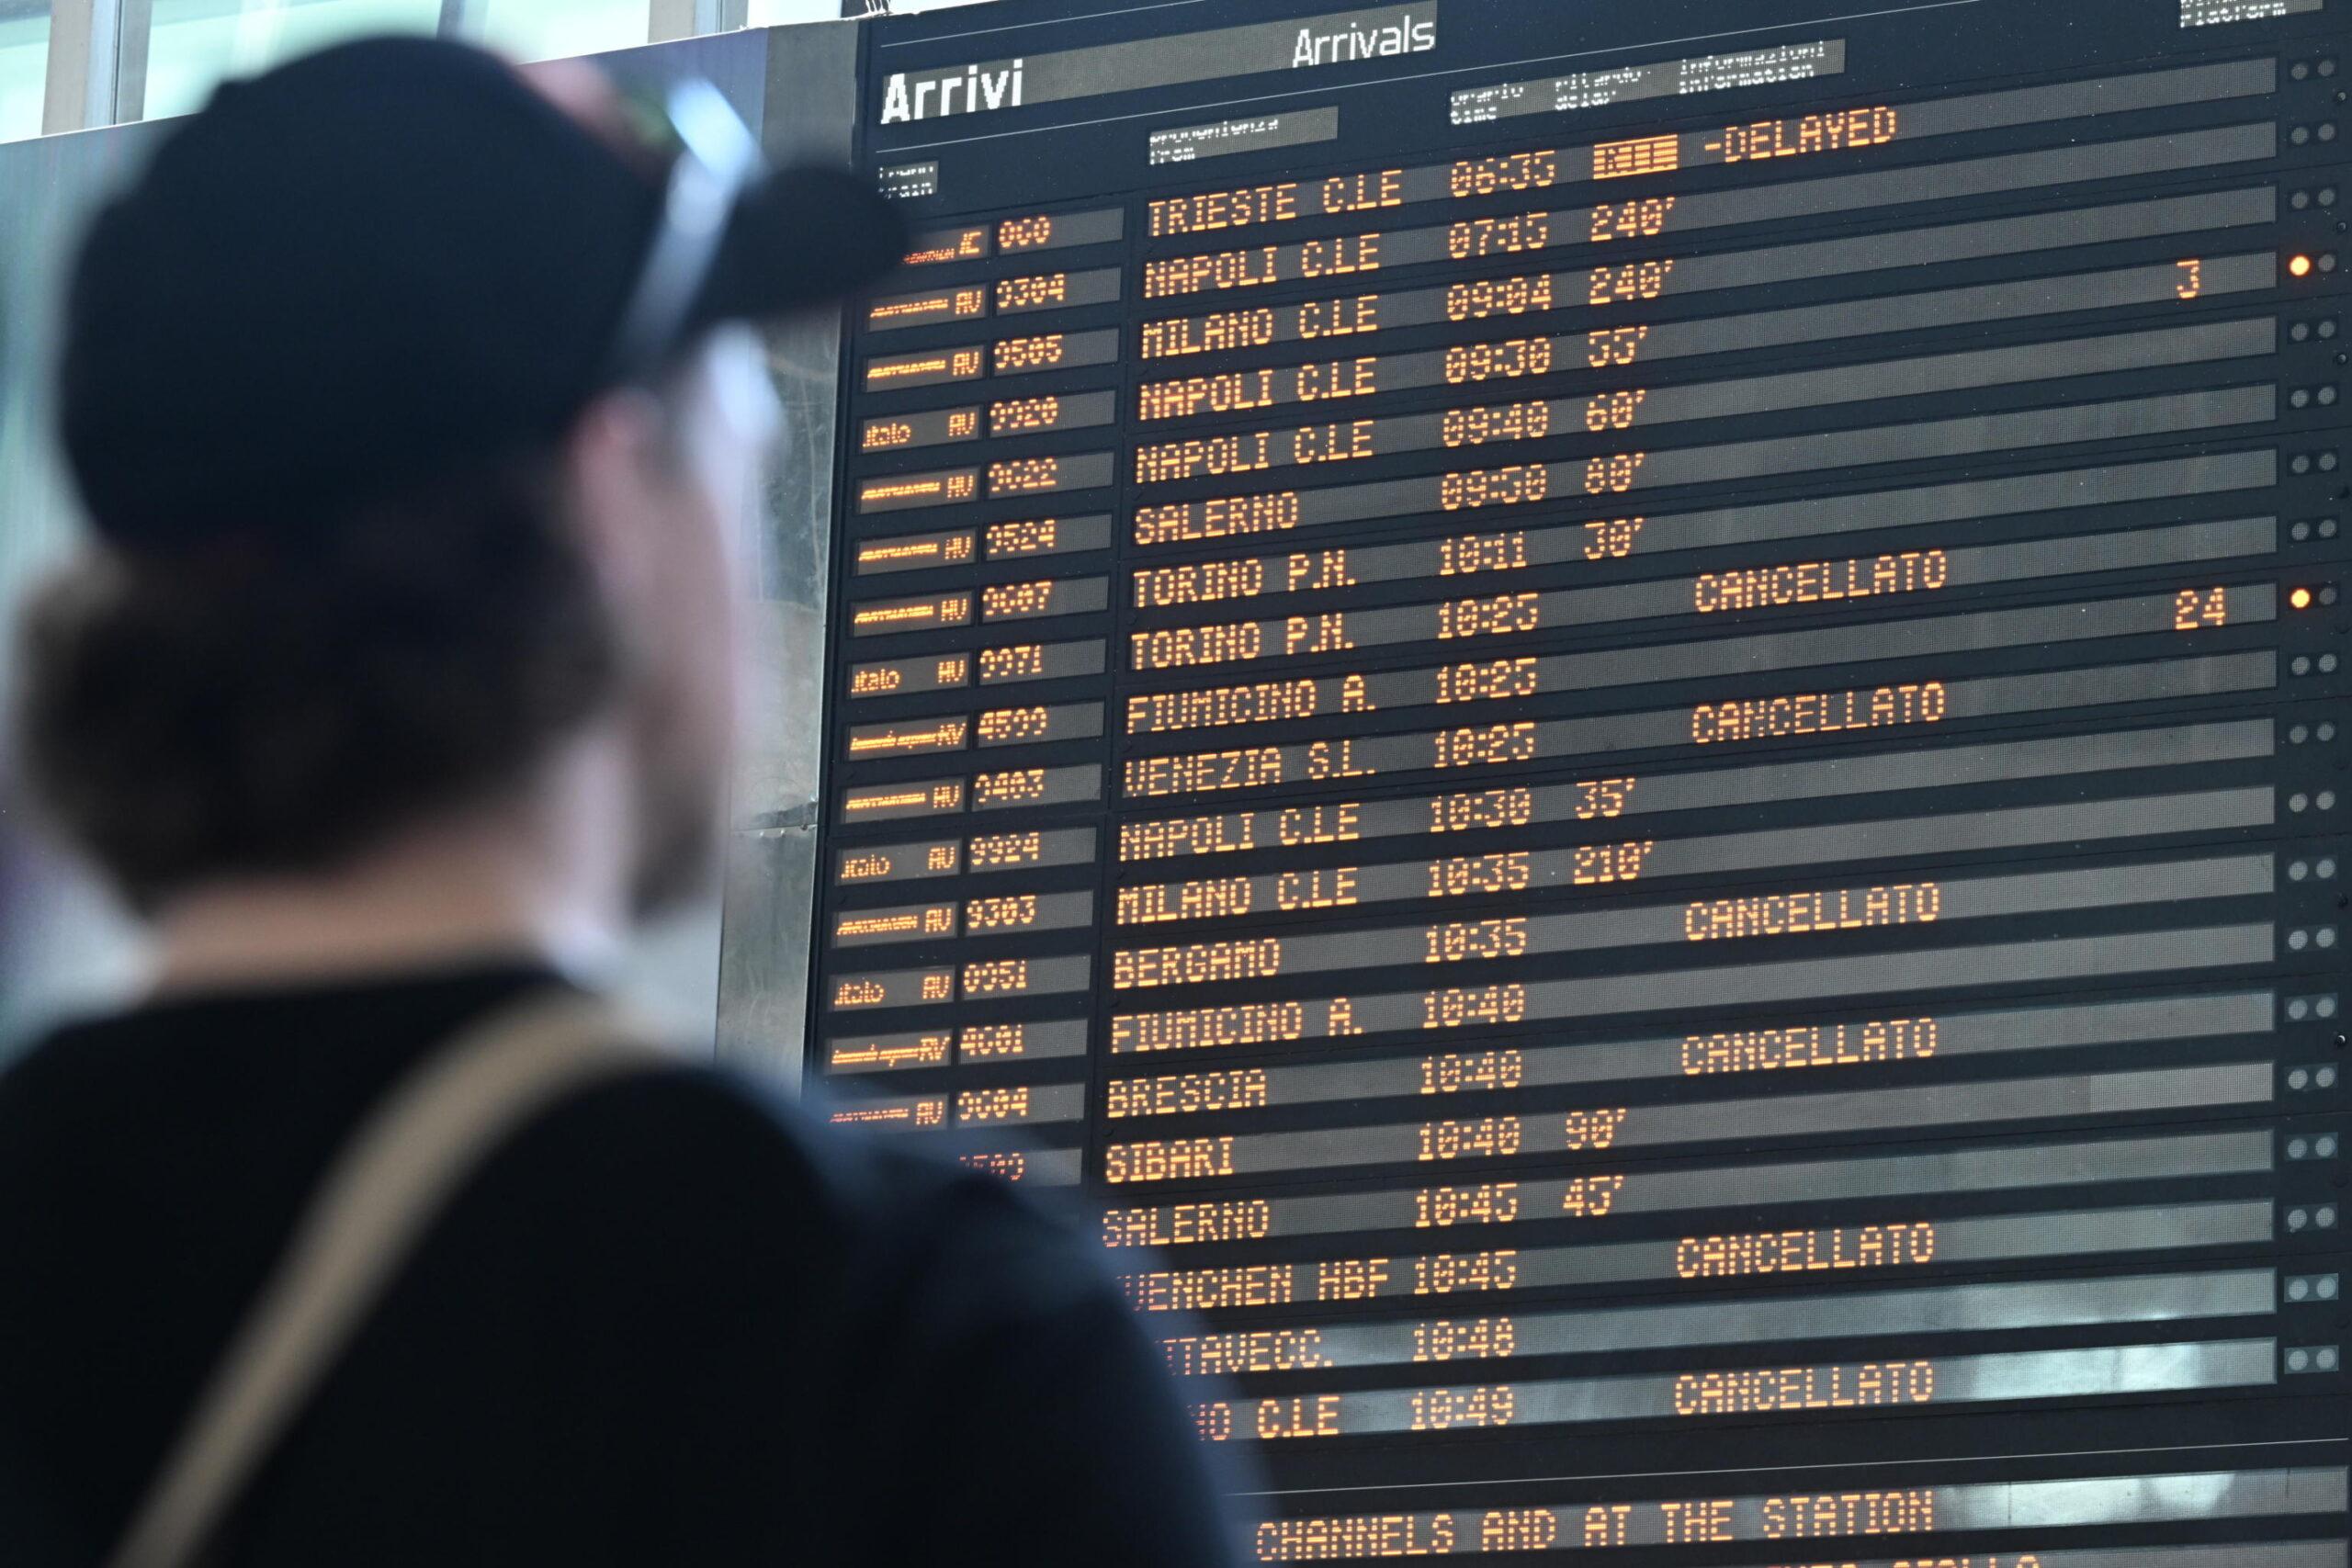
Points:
(1007, 83)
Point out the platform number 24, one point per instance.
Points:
(2196, 608)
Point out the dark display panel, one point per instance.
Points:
(1624, 722)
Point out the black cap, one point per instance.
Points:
(377, 266)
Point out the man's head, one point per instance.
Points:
(412, 409)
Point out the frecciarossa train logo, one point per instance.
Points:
(1310, 42)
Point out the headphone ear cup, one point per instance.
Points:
(800, 235)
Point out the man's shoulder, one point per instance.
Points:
(82, 1073)
(724, 1130)
(57, 1061)
(681, 1172)
(756, 1164)
(685, 1137)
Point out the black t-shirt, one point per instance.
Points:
(628, 1342)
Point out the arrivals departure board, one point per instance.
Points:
(1621, 723)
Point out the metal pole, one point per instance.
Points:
(78, 91)
(136, 20)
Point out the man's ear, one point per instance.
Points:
(609, 460)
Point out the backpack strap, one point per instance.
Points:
(392, 1179)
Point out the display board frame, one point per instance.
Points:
(1715, 625)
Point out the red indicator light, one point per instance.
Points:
(2300, 265)
(2301, 598)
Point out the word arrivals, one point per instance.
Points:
(1002, 84)
(1408, 35)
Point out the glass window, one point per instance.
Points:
(554, 29)
(796, 10)
(193, 44)
(64, 952)
(776, 13)
(23, 66)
